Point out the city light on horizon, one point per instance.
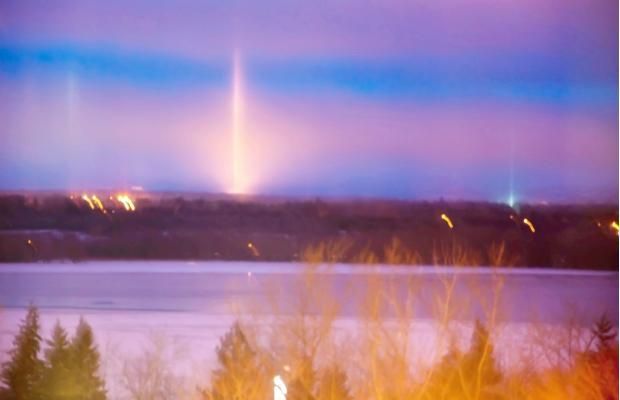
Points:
(447, 220)
(126, 201)
(529, 224)
(88, 201)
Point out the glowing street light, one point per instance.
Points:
(614, 225)
(448, 220)
(279, 388)
(98, 202)
(30, 244)
(121, 198)
(90, 203)
(126, 201)
(529, 224)
(132, 207)
(253, 249)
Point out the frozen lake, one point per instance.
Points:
(218, 288)
(193, 303)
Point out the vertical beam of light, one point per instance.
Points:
(238, 179)
(511, 195)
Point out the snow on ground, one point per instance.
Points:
(189, 306)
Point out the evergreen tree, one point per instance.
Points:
(445, 382)
(59, 376)
(21, 375)
(239, 376)
(470, 374)
(302, 385)
(600, 365)
(57, 352)
(603, 332)
(333, 385)
(480, 360)
(85, 362)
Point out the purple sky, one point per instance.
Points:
(474, 99)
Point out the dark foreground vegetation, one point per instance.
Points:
(68, 369)
(51, 226)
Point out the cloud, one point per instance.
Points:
(141, 69)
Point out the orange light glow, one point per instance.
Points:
(90, 203)
(29, 241)
(123, 202)
(98, 202)
(448, 220)
(254, 250)
(127, 202)
(132, 207)
(239, 175)
(529, 224)
(614, 225)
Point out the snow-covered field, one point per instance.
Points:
(187, 305)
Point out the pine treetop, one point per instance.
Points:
(603, 332)
(58, 346)
(22, 373)
(85, 359)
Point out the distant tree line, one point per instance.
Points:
(579, 236)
